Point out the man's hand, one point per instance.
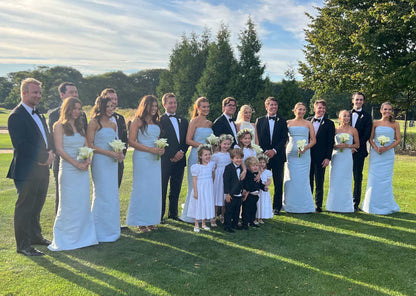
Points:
(325, 163)
(270, 153)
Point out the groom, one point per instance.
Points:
(272, 134)
(363, 122)
(32, 156)
(225, 123)
(173, 163)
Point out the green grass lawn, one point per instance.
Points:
(4, 114)
(5, 142)
(313, 254)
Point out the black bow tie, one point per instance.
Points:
(35, 111)
(238, 167)
(172, 115)
(355, 111)
(230, 119)
(272, 117)
(316, 120)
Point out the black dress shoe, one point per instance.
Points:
(254, 225)
(43, 242)
(227, 229)
(276, 212)
(30, 252)
(318, 210)
(245, 227)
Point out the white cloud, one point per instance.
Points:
(101, 35)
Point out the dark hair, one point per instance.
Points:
(107, 91)
(66, 109)
(200, 149)
(63, 85)
(323, 102)
(144, 110)
(227, 100)
(99, 109)
(271, 99)
(357, 93)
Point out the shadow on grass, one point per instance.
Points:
(281, 257)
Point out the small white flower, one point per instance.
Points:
(117, 146)
(84, 153)
(344, 138)
(257, 148)
(301, 145)
(383, 140)
(161, 143)
(212, 140)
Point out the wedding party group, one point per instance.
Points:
(230, 166)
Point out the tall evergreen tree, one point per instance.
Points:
(217, 74)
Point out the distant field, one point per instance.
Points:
(5, 142)
(4, 114)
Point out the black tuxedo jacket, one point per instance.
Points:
(279, 138)
(28, 144)
(168, 132)
(363, 125)
(250, 185)
(122, 129)
(221, 126)
(324, 141)
(232, 184)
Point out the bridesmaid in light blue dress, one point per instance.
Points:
(379, 198)
(74, 225)
(198, 130)
(297, 196)
(340, 193)
(104, 169)
(146, 196)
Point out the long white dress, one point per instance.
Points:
(200, 136)
(145, 205)
(379, 198)
(340, 183)
(74, 225)
(220, 159)
(105, 203)
(203, 207)
(264, 204)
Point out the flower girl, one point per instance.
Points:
(201, 206)
(244, 138)
(264, 205)
(221, 159)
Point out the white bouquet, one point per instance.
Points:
(301, 145)
(383, 140)
(257, 148)
(161, 143)
(84, 153)
(117, 146)
(344, 138)
(212, 140)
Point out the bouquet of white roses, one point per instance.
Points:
(257, 148)
(117, 146)
(212, 140)
(161, 143)
(383, 140)
(84, 153)
(344, 138)
(301, 145)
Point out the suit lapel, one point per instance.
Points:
(173, 128)
(35, 125)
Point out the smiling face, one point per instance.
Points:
(229, 109)
(225, 145)
(203, 108)
(237, 160)
(113, 97)
(386, 110)
(76, 112)
(254, 168)
(358, 101)
(247, 114)
(70, 91)
(171, 105)
(300, 110)
(109, 109)
(319, 110)
(262, 164)
(246, 140)
(153, 108)
(205, 156)
(344, 118)
(272, 108)
(32, 95)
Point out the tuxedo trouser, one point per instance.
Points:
(173, 173)
(120, 172)
(31, 198)
(357, 169)
(56, 176)
(317, 177)
(232, 212)
(250, 209)
(278, 172)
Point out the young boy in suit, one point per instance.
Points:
(233, 190)
(253, 188)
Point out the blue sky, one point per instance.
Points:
(97, 36)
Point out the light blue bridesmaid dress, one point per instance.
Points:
(379, 198)
(340, 185)
(297, 197)
(145, 207)
(74, 225)
(200, 136)
(105, 203)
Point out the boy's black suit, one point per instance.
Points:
(173, 171)
(278, 143)
(320, 151)
(232, 186)
(221, 126)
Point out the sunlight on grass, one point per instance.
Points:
(293, 262)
